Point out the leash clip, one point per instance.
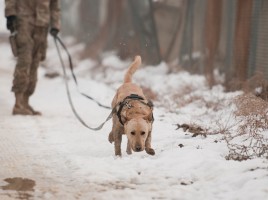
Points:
(128, 105)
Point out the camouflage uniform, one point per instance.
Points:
(33, 19)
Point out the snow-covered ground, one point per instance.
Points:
(68, 161)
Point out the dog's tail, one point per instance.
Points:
(132, 69)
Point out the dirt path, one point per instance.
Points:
(25, 156)
(36, 153)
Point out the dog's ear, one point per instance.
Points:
(124, 119)
(149, 118)
(150, 104)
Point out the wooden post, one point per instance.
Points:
(242, 39)
(212, 36)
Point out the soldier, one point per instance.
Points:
(29, 21)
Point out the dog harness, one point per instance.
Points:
(126, 103)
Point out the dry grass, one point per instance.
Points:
(188, 95)
(249, 141)
(243, 131)
(193, 128)
(248, 104)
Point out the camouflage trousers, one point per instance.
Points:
(31, 44)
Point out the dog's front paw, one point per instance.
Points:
(118, 154)
(150, 151)
(117, 151)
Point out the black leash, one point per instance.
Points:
(72, 71)
(56, 38)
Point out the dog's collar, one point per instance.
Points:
(125, 103)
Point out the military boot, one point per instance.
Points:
(19, 108)
(27, 105)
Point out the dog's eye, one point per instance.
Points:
(142, 133)
(132, 132)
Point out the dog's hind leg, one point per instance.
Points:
(129, 151)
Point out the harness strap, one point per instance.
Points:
(125, 103)
(118, 113)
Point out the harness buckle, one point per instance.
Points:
(128, 105)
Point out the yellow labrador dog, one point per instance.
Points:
(133, 115)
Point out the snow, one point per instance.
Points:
(68, 161)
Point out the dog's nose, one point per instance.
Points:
(138, 148)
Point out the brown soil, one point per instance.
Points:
(19, 184)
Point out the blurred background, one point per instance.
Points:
(199, 36)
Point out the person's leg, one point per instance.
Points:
(38, 54)
(24, 44)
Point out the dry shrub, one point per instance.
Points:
(187, 95)
(243, 131)
(257, 85)
(179, 96)
(182, 101)
(193, 128)
(263, 93)
(249, 141)
(248, 104)
(214, 103)
(257, 82)
(176, 99)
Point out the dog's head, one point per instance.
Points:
(137, 131)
